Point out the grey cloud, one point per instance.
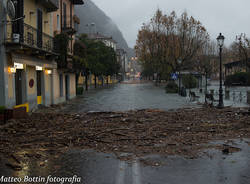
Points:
(227, 16)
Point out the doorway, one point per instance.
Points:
(18, 86)
(39, 28)
(39, 87)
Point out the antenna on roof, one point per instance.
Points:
(10, 8)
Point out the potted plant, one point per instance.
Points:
(5, 114)
(2, 109)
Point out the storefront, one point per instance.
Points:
(30, 81)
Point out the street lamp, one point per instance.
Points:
(220, 40)
(179, 75)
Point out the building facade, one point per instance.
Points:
(123, 60)
(27, 57)
(108, 41)
(65, 21)
(236, 66)
(29, 71)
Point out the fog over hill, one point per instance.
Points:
(89, 13)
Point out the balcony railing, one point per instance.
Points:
(50, 5)
(30, 38)
(77, 2)
(69, 25)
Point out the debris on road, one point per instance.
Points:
(229, 149)
(182, 132)
(14, 167)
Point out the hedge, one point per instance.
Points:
(171, 87)
(189, 81)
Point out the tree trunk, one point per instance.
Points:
(159, 79)
(206, 84)
(77, 79)
(107, 80)
(95, 81)
(86, 82)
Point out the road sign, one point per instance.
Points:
(174, 76)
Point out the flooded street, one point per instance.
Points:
(124, 97)
(100, 168)
(124, 92)
(96, 167)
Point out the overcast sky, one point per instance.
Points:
(230, 17)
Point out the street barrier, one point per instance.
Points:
(248, 97)
(227, 95)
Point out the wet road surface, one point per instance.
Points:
(124, 97)
(100, 168)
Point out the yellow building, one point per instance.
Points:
(236, 66)
(29, 73)
(29, 61)
(65, 21)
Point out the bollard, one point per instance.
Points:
(212, 91)
(240, 97)
(234, 97)
(227, 95)
(248, 97)
(216, 93)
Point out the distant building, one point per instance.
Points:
(122, 58)
(108, 41)
(236, 66)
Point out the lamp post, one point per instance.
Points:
(179, 75)
(220, 40)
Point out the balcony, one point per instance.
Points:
(50, 5)
(68, 25)
(63, 46)
(77, 2)
(31, 39)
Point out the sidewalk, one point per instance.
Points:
(238, 95)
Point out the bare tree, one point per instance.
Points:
(241, 49)
(207, 60)
(167, 42)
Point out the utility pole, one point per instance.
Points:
(124, 66)
(3, 63)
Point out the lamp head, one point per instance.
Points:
(220, 40)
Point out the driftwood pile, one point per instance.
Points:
(182, 132)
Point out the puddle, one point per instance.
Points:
(94, 168)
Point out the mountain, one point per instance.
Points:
(93, 20)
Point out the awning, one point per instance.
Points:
(33, 61)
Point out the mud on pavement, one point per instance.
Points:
(184, 132)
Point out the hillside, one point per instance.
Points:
(90, 13)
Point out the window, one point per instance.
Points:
(76, 26)
(64, 15)
(30, 38)
(58, 22)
